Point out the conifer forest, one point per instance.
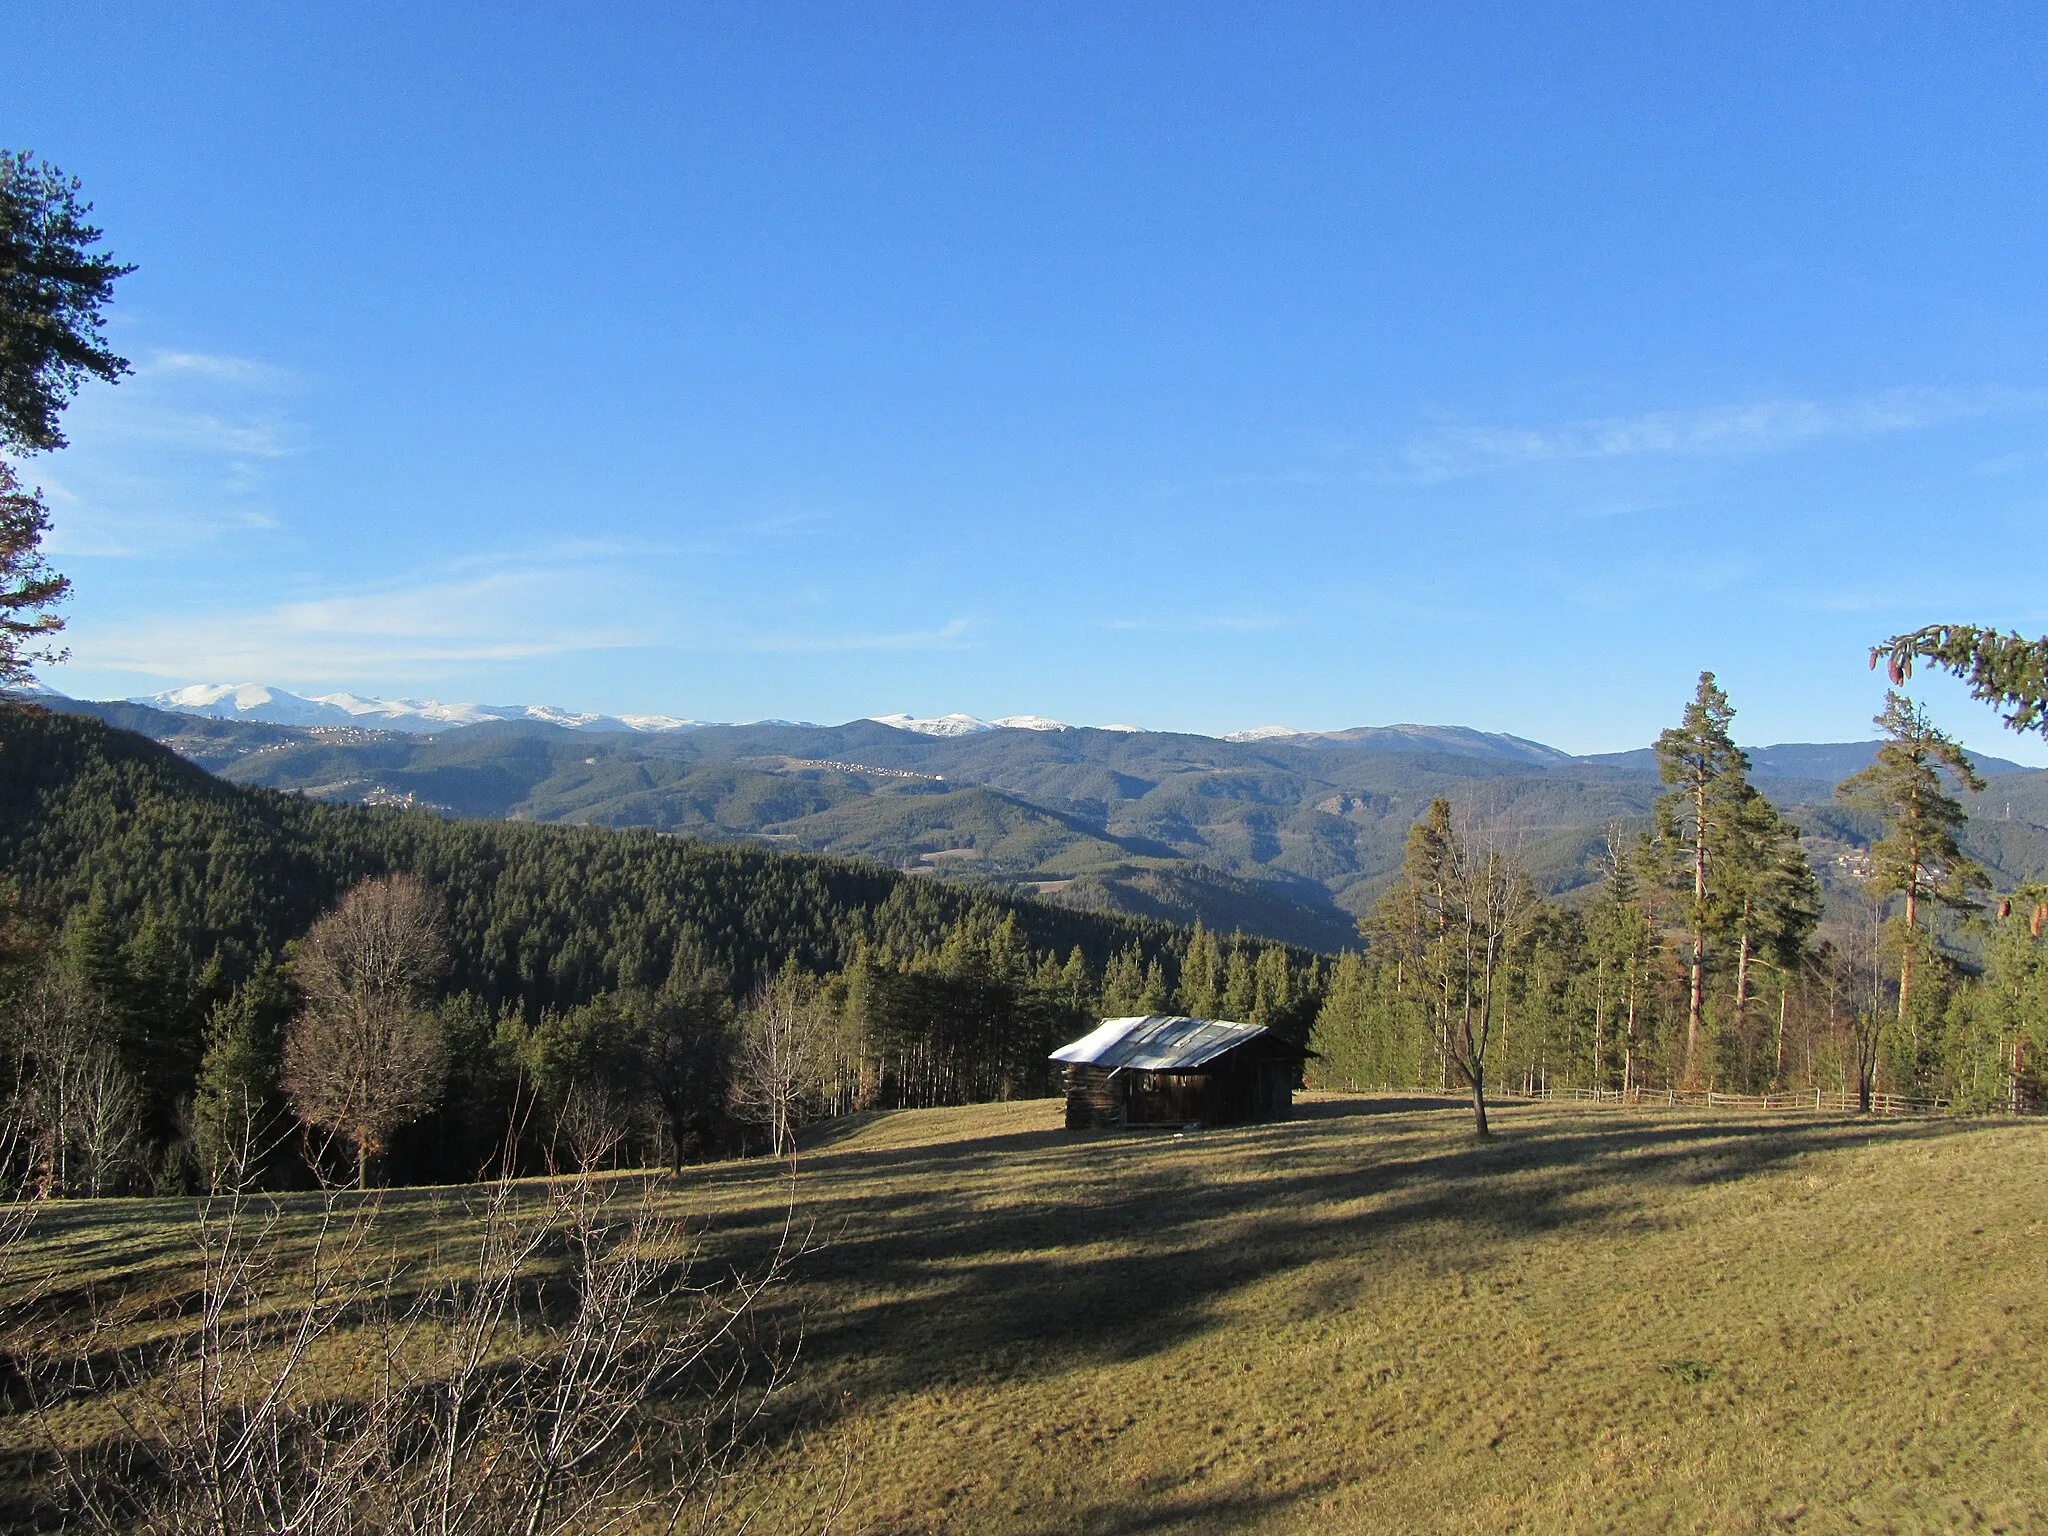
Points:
(610, 987)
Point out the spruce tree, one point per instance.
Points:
(1123, 984)
(1919, 856)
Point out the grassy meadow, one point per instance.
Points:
(1362, 1320)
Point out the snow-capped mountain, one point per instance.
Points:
(278, 706)
(968, 725)
(1453, 740)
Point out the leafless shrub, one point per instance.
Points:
(590, 1126)
(571, 1377)
(366, 1056)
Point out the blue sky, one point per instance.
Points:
(1202, 367)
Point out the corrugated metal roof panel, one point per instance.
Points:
(1157, 1042)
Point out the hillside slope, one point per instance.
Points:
(1361, 1321)
(1358, 1321)
(1290, 837)
(544, 916)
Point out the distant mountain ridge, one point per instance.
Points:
(1289, 834)
(265, 705)
(1834, 760)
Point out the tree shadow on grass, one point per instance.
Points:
(1349, 1105)
(823, 1144)
(1147, 1515)
(1118, 1250)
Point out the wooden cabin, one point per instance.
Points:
(1163, 1069)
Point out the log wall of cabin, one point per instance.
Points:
(1240, 1086)
(1094, 1097)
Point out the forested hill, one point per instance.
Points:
(98, 819)
(1292, 838)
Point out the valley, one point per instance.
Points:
(1290, 837)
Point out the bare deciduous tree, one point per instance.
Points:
(74, 1100)
(1461, 902)
(366, 1055)
(782, 1044)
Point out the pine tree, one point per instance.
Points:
(1240, 981)
(53, 287)
(1201, 974)
(1770, 900)
(1273, 979)
(236, 1100)
(1919, 856)
(1709, 776)
(1622, 942)
(1123, 984)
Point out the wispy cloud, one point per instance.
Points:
(1199, 624)
(955, 634)
(235, 370)
(1766, 426)
(397, 633)
(420, 632)
(178, 453)
(194, 402)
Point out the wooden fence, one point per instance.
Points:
(1814, 1099)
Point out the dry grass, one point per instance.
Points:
(1363, 1321)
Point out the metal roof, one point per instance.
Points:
(1157, 1042)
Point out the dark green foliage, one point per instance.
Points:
(29, 588)
(237, 1110)
(53, 285)
(1708, 779)
(2004, 670)
(1920, 855)
(595, 975)
(1995, 1037)
(544, 917)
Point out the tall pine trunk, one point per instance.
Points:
(1695, 1003)
(1778, 1070)
(1599, 1023)
(1906, 949)
(1628, 1052)
(1742, 973)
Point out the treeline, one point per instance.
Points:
(596, 987)
(1701, 960)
